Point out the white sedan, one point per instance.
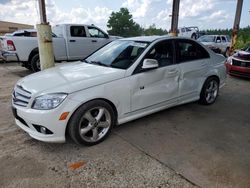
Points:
(124, 80)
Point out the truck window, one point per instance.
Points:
(77, 31)
(183, 30)
(94, 32)
(218, 40)
(223, 39)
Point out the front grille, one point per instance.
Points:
(20, 96)
(239, 63)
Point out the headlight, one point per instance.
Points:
(229, 60)
(48, 101)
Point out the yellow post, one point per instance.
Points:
(45, 46)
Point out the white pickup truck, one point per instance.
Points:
(217, 43)
(70, 42)
(190, 32)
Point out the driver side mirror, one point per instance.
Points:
(150, 64)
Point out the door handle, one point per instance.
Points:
(72, 40)
(94, 41)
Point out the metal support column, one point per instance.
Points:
(44, 34)
(175, 17)
(236, 25)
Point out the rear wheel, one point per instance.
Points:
(91, 123)
(35, 63)
(209, 91)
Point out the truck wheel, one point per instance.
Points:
(27, 66)
(193, 36)
(35, 63)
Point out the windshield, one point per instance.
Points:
(118, 54)
(206, 38)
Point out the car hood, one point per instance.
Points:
(69, 78)
(208, 43)
(243, 55)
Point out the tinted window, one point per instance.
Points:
(162, 52)
(218, 39)
(77, 31)
(118, 54)
(223, 39)
(189, 50)
(94, 32)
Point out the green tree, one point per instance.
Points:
(152, 30)
(122, 24)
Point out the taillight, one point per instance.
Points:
(10, 45)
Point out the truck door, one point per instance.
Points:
(98, 38)
(78, 43)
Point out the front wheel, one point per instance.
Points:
(91, 123)
(209, 91)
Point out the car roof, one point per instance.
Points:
(154, 38)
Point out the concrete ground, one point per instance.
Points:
(186, 146)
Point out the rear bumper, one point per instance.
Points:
(238, 71)
(9, 56)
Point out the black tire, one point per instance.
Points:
(35, 61)
(194, 36)
(78, 122)
(27, 66)
(204, 95)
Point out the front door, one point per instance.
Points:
(158, 86)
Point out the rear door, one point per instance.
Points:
(193, 62)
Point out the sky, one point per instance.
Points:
(206, 14)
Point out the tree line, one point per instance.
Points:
(121, 23)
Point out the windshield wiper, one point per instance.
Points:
(99, 63)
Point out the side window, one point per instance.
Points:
(189, 51)
(77, 31)
(162, 52)
(218, 39)
(183, 30)
(94, 32)
(223, 39)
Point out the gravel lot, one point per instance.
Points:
(186, 146)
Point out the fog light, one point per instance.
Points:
(43, 130)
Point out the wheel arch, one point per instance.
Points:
(103, 99)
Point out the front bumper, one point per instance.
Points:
(238, 71)
(30, 119)
(9, 56)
